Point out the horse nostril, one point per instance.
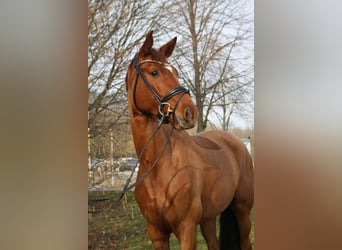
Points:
(188, 115)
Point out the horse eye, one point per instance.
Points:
(154, 73)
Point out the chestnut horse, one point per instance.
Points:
(184, 180)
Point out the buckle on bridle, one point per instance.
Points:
(168, 111)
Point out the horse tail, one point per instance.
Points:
(229, 230)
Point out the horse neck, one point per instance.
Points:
(142, 129)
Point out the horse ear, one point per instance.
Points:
(168, 48)
(145, 49)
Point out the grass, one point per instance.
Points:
(121, 226)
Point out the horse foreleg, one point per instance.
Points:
(159, 239)
(186, 234)
(208, 229)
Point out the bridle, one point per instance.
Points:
(162, 101)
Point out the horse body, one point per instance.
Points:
(197, 177)
(220, 168)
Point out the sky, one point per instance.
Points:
(238, 121)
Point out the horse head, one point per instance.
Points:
(154, 89)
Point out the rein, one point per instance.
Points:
(127, 187)
(163, 118)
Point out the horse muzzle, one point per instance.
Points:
(185, 118)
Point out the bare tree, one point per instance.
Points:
(213, 56)
(211, 36)
(115, 29)
(237, 101)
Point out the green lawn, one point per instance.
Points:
(123, 227)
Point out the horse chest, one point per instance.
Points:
(152, 206)
(169, 204)
(152, 211)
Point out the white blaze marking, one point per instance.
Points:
(168, 67)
